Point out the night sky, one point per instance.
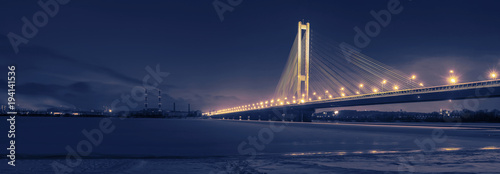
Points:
(92, 52)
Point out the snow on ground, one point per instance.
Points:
(222, 146)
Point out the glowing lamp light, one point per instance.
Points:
(396, 87)
(413, 77)
(314, 93)
(302, 101)
(319, 98)
(384, 81)
(330, 96)
(360, 85)
(343, 95)
(357, 92)
(342, 88)
(375, 90)
(326, 91)
(493, 75)
(453, 80)
(421, 84)
(451, 71)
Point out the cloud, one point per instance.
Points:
(36, 57)
(80, 87)
(45, 78)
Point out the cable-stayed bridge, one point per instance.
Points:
(323, 74)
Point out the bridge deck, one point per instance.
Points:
(480, 89)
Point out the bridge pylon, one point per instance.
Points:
(303, 68)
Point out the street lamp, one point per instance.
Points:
(383, 83)
(493, 75)
(453, 80)
(396, 87)
(413, 77)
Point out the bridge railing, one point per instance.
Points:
(460, 86)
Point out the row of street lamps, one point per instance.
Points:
(452, 79)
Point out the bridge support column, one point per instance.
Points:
(291, 114)
(303, 73)
(300, 115)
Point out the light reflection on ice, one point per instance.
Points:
(450, 149)
(382, 152)
(315, 153)
(340, 153)
(345, 153)
(490, 148)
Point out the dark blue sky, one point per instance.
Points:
(91, 52)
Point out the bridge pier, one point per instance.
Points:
(275, 114)
(290, 114)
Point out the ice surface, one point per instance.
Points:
(211, 146)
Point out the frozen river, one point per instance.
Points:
(227, 146)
